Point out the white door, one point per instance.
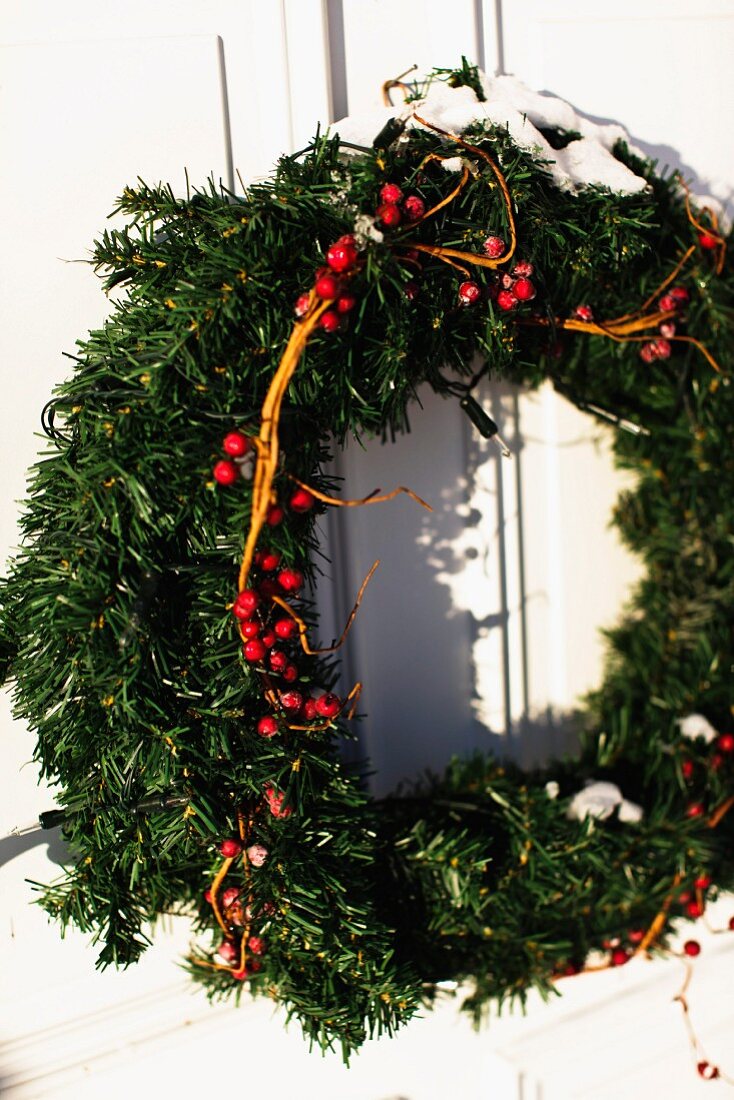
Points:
(93, 96)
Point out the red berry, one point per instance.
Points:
(328, 705)
(667, 329)
(506, 300)
(636, 935)
(494, 247)
(290, 579)
(269, 560)
(345, 303)
(240, 975)
(703, 882)
(524, 290)
(694, 909)
(668, 302)
(620, 956)
(227, 951)
(523, 268)
(291, 700)
(327, 286)
(411, 290)
(245, 604)
(414, 208)
(342, 256)
(679, 294)
(687, 769)
(290, 674)
(707, 241)
(278, 660)
(329, 321)
(275, 800)
(269, 639)
(254, 650)
(208, 897)
(507, 282)
(225, 472)
(647, 353)
(569, 970)
(302, 501)
(348, 239)
(694, 809)
(716, 761)
(230, 896)
(303, 303)
(257, 945)
(707, 1071)
(310, 712)
(391, 193)
(662, 348)
(267, 726)
(731, 924)
(725, 743)
(236, 444)
(250, 629)
(285, 628)
(684, 896)
(389, 215)
(692, 948)
(469, 293)
(274, 515)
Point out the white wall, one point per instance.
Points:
(505, 609)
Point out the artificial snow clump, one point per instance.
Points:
(695, 725)
(600, 799)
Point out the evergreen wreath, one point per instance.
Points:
(159, 628)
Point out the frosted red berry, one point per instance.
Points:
(414, 208)
(328, 705)
(303, 302)
(389, 215)
(391, 193)
(584, 313)
(667, 329)
(707, 241)
(257, 945)
(290, 579)
(647, 353)
(329, 321)
(230, 896)
(236, 444)
(267, 726)
(290, 674)
(291, 700)
(506, 300)
(310, 712)
(277, 660)
(692, 948)
(662, 348)
(494, 247)
(257, 854)
(524, 290)
(227, 951)
(285, 628)
(523, 269)
(345, 303)
(342, 256)
(269, 560)
(725, 743)
(302, 501)
(246, 604)
(469, 293)
(254, 650)
(225, 472)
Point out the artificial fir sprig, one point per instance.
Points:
(128, 633)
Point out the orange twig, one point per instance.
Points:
(371, 499)
(218, 880)
(303, 628)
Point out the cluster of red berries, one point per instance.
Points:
(675, 299)
(723, 750)
(394, 207)
(236, 445)
(513, 288)
(330, 285)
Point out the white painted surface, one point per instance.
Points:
(483, 652)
